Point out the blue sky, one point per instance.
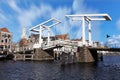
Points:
(16, 14)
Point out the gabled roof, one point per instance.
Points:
(4, 29)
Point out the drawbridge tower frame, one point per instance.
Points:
(88, 18)
(42, 26)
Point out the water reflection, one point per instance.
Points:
(109, 69)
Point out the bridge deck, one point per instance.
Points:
(104, 49)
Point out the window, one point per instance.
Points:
(31, 41)
(6, 40)
(6, 35)
(2, 41)
(9, 36)
(3, 35)
(8, 46)
(9, 40)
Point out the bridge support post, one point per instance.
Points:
(48, 40)
(24, 57)
(100, 56)
(15, 57)
(84, 55)
(40, 37)
(89, 33)
(83, 30)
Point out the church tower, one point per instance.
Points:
(23, 42)
(24, 33)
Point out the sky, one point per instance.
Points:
(16, 14)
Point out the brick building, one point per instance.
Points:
(5, 39)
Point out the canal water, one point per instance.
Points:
(109, 69)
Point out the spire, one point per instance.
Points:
(24, 33)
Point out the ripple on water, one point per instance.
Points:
(109, 69)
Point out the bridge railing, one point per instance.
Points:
(19, 49)
(113, 45)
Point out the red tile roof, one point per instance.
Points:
(62, 36)
(4, 30)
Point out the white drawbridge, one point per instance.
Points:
(41, 27)
(88, 18)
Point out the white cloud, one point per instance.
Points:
(114, 41)
(27, 16)
(79, 7)
(96, 30)
(2, 18)
(14, 6)
(116, 37)
(60, 13)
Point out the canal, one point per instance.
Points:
(109, 69)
